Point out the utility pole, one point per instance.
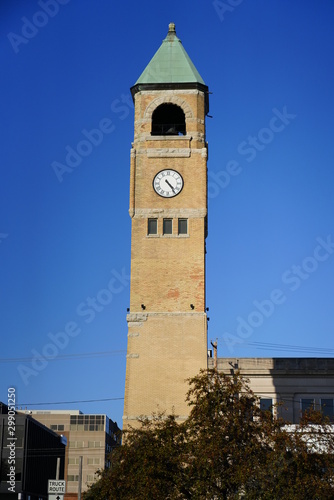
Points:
(80, 478)
(58, 468)
(215, 363)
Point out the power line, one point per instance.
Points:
(69, 402)
(256, 345)
(284, 347)
(289, 347)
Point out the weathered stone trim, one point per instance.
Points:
(167, 236)
(136, 318)
(168, 152)
(149, 417)
(144, 121)
(171, 96)
(178, 313)
(190, 213)
(170, 92)
(144, 151)
(187, 137)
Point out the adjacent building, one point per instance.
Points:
(296, 383)
(91, 437)
(28, 456)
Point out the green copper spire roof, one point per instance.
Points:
(170, 64)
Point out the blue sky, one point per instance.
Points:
(66, 70)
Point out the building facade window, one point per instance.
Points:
(94, 444)
(76, 444)
(152, 226)
(57, 427)
(327, 408)
(72, 477)
(183, 226)
(86, 423)
(266, 404)
(168, 226)
(93, 461)
(306, 404)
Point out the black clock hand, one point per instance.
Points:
(169, 184)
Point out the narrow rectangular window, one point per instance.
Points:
(183, 226)
(152, 226)
(307, 404)
(327, 408)
(168, 226)
(266, 404)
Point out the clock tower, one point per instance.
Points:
(167, 322)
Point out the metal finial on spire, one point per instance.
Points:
(171, 28)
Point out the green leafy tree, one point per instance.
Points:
(227, 449)
(149, 465)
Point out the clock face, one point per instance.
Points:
(168, 183)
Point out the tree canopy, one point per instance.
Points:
(228, 448)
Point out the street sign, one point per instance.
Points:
(55, 497)
(56, 487)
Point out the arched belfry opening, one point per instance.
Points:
(168, 119)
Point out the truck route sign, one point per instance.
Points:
(56, 486)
